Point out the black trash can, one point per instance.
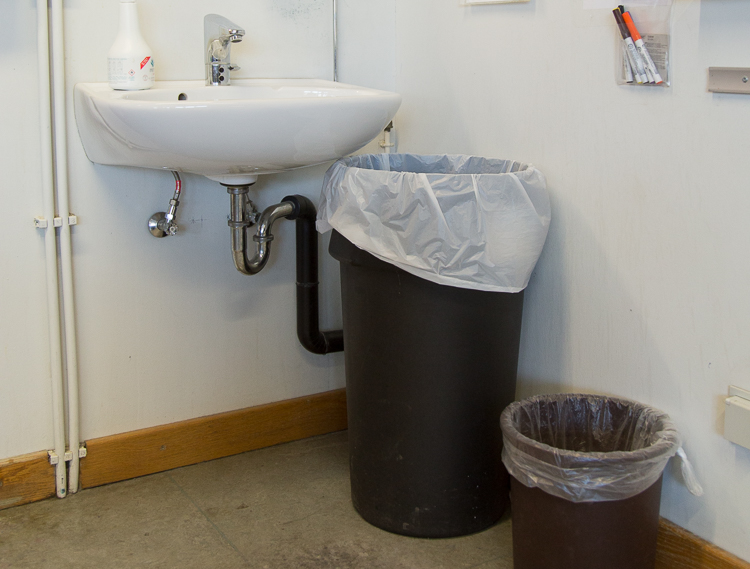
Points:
(429, 369)
(586, 480)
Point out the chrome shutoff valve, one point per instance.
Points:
(162, 224)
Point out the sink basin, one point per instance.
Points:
(231, 133)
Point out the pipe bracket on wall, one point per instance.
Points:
(68, 456)
(42, 223)
(387, 142)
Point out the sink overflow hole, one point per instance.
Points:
(182, 97)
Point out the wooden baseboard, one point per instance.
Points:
(25, 479)
(137, 453)
(28, 478)
(679, 549)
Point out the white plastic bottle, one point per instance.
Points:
(131, 63)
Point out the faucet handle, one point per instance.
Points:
(218, 51)
(233, 67)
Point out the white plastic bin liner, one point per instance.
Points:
(590, 448)
(463, 221)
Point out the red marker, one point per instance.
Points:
(641, 47)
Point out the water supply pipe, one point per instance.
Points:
(66, 251)
(335, 40)
(163, 224)
(50, 246)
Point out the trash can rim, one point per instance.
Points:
(667, 443)
(348, 162)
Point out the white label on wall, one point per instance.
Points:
(473, 2)
(611, 5)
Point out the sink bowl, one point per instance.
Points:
(231, 133)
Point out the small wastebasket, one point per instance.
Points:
(586, 474)
(435, 252)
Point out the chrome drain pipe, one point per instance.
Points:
(301, 210)
(243, 215)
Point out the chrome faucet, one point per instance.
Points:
(218, 36)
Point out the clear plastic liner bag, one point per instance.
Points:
(462, 221)
(589, 448)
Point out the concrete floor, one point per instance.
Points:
(283, 507)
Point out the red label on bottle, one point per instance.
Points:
(145, 61)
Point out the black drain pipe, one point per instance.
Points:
(308, 324)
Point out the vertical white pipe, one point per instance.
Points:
(66, 255)
(50, 242)
(335, 41)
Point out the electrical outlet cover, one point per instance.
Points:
(737, 417)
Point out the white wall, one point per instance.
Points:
(367, 45)
(642, 289)
(25, 388)
(167, 329)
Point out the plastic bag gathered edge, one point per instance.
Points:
(588, 477)
(334, 202)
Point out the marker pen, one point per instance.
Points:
(626, 69)
(649, 74)
(636, 37)
(635, 60)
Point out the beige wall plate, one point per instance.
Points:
(729, 80)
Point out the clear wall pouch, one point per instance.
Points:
(643, 43)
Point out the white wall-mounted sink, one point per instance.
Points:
(230, 133)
